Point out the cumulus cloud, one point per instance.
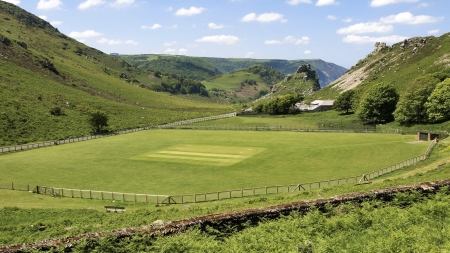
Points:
(90, 3)
(85, 34)
(409, 18)
(153, 27)
(379, 3)
(433, 31)
(169, 44)
(190, 12)
(43, 17)
(49, 4)
(122, 3)
(215, 26)
(170, 51)
(55, 23)
(347, 20)
(16, 2)
(295, 2)
(131, 42)
(182, 51)
(331, 17)
(371, 27)
(249, 54)
(221, 39)
(264, 18)
(355, 39)
(326, 2)
(288, 40)
(307, 52)
(109, 42)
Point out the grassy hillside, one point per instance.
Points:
(244, 85)
(49, 82)
(203, 67)
(400, 65)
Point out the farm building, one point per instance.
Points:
(315, 106)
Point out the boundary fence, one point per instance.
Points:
(57, 142)
(218, 195)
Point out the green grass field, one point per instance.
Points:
(194, 161)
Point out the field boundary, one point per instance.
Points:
(85, 138)
(218, 195)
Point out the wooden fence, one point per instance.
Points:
(218, 195)
(57, 142)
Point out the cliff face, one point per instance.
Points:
(304, 81)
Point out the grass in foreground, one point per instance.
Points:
(27, 217)
(183, 162)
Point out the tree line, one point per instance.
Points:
(427, 100)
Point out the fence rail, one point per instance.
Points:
(218, 195)
(58, 142)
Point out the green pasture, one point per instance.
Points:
(194, 161)
(232, 81)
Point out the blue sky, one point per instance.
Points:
(337, 31)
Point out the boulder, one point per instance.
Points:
(5, 41)
(379, 46)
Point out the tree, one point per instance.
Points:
(378, 103)
(438, 105)
(345, 101)
(98, 120)
(411, 107)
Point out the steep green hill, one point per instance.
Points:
(401, 65)
(49, 82)
(204, 67)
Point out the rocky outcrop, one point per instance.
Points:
(379, 46)
(5, 41)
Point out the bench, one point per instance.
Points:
(115, 209)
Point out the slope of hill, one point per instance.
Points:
(204, 67)
(249, 83)
(399, 65)
(49, 82)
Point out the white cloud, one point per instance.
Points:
(55, 23)
(131, 42)
(265, 17)
(424, 5)
(215, 26)
(408, 18)
(355, 39)
(288, 40)
(153, 27)
(43, 17)
(170, 51)
(169, 8)
(433, 31)
(169, 44)
(371, 27)
(221, 39)
(326, 2)
(16, 2)
(249, 54)
(347, 20)
(331, 17)
(182, 51)
(295, 2)
(189, 12)
(307, 52)
(49, 4)
(122, 3)
(379, 3)
(90, 3)
(109, 42)
(85, 34)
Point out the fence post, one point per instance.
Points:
(90, 194)
(81, 194)
(12, 186)
(135, 198)
(101, 193)
(71, 193)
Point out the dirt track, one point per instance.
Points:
(239, 217)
